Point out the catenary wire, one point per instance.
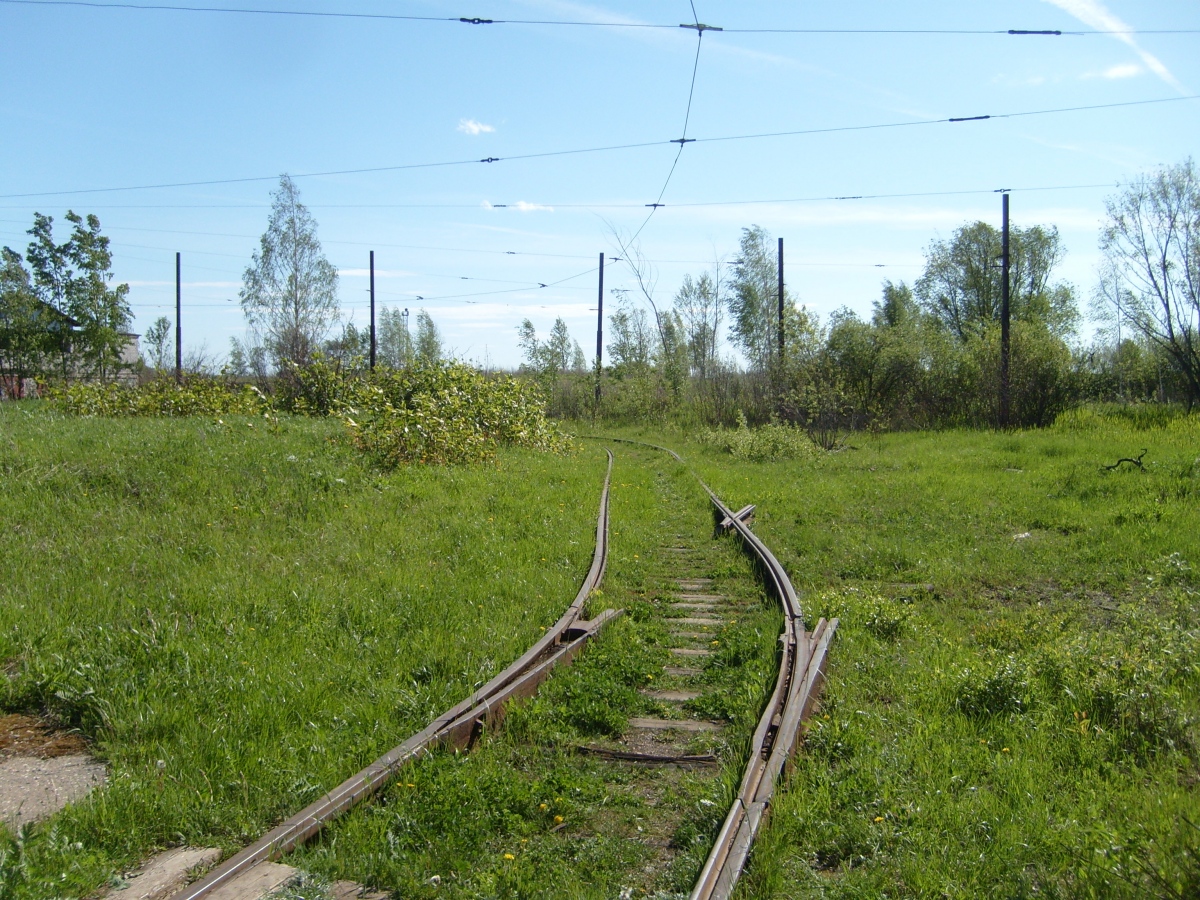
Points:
(643, 144)
(578, 23)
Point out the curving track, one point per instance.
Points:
(457, 727)
(801, 674)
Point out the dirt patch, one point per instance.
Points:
(22, 735)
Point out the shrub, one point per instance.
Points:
(991, 693)
(886, 620)
(770, 442)
(194, 397)
(449, 413)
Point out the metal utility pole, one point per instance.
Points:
(781, 302)
(372, 310)
(178, 325)
(599, 330)
(1005, 315)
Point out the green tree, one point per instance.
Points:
(1152, 242)
(632, 345)
(558, 353)
(290, 290)
(428, 350)
(27, 338)
(75, 278)
(699, 310)
(158, 344)
(753, 301)
(393, 342)
(961, 286)
(350, 351)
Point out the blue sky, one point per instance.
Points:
(99, 98)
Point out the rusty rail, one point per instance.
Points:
(458, 726)
(801, 675)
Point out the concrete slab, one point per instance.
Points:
(697, 620)
(255, 883)
(32, 789)
(673, 725)
(165, 874)
(672, 696)
(681, 671)
(689, 651)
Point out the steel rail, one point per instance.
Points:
(801, 676)
(458, 726)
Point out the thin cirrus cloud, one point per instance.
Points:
(470, 126)
(1094, 14)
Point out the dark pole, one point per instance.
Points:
(1005, 347)
(372, 310)
(599, 330)
(781, 303)
(178, 326)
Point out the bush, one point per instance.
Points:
(449, 413)
(980, 694)
(194, 397)
(769, 442)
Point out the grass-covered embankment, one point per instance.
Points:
(238, 614)
(1028, 727)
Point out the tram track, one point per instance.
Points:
(457, 727)
(802, 656)
(801, 675)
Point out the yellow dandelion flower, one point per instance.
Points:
(558, 820)
(879, 818)
(509, 856)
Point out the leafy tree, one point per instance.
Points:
(159, 346)
(428, 350)
(754, 301)
(393, 346)
(579, 361)
(351, 350)
(74, 279)
(558, 353)
(249, 360)
(1152, 242)
(633, 342)
(699, 309)
(897, 309)
(290, 290)
(26, 339)
(962, 284)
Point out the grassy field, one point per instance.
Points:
(238, 616)
(1012, 702)
(526, 816)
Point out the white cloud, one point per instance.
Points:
(1123, 70)
(470, 126)
(521, 205)
(1094, 14)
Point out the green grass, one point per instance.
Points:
(262, 611)
(1027, 728)
(525, 816)
(238, 617)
